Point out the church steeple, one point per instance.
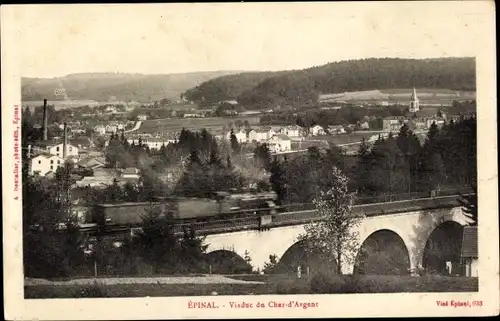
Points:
(414, 103)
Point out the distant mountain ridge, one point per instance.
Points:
(114, 86)
(303, 87)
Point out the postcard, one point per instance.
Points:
(249, 160)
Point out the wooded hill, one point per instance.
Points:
(302, 87)
(227, 87)
(119, 86)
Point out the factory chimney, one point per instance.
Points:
(65, 142)
(45, 119)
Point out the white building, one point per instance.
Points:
(111, 129)
(57, 150)
(292, 131)
(336, 129)
(100, 130)
(78, 131)
(43, 164)
(316, 130)
(241, 136)
(130, 172)
(142, 117)
(260, 135)
(152, 143)
(439, 122)
(111, 109)
(279, 143)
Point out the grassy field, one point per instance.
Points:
(426, 95)
(274, 284)
(176, 124)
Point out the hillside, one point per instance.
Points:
(226, 87)
(303, 87)
(114, 86)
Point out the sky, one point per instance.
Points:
(55, 40)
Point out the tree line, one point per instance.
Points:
(302, 87)
(392, 165)
(342, 116)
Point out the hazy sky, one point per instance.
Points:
(62, 39)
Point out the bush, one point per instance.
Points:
(331, 283)
(96, 290)
(292, 287)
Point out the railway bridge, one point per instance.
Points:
(394, 237)
(398, 237)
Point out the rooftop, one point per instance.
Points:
(130, 170)
(281, 136)
(424, 112)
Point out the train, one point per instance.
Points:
(222, 205)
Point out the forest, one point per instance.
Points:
(302, 87)
(225, 88)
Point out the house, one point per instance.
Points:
(102, 177)
(316, 130)
(91, 163)
(55, 147)
(130, 172)
(279, 143)
(469, 253)
(417, 124)
(44, 163)
(193, 115)
(142, 117)
(260, 135)
(292, 131)
(336, 129)
(439, 122)
(151, 143)
(391, 124)
(78, 131)
(94, 181)
(110, 109)
(230, 102)
(83, 143)
(111, 128)
(364, 125)
(57, 150)
(241, 136)
(100, 130)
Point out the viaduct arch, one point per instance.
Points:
(410, 235)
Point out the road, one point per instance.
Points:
(136, 127)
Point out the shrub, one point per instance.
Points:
(331, 283)
(292, 287)
(95, 290)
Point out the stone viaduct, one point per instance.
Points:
(408, 235)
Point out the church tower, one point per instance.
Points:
(414, 104)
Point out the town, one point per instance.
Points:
(157, 188)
